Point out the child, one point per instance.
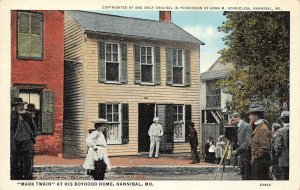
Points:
(212, 151)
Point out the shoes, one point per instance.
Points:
(150, 157)
(156, 157)
(193, 162)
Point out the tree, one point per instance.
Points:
(258, 45)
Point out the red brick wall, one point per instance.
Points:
(49, 72)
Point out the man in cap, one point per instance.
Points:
(282, 145)
(243, 135)
(259, 144)
(155, 133)
(23, 130)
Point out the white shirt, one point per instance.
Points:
(155, 130)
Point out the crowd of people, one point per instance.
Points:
(262, 151)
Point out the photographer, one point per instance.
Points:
(243, 135)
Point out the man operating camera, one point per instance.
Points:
(243, 135)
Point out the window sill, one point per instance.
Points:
(178, 85)
(147, 84)
(112, 82)
(30, 58)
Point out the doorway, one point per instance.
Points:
(146, 114)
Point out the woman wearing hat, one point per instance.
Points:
(259, 144)
(97, 160)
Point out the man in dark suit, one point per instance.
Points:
(281, 145)
(23, 131)
(193, 139)
(243, 135)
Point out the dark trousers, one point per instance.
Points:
(21, 160)
(100, 169)
(195, 156)
(260, 170)
(245, 167)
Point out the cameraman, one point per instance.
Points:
(243, 135)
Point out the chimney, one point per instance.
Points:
(165, 16)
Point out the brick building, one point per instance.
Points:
(37, 72)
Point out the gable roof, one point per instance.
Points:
(217, 71)
(131, 27)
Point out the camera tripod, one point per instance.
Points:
(229, 146)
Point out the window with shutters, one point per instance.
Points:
(112, 52)
(30, 35)
(44, 103)
(178, 67)
(117, 122)
(33, 97)
(147, 68)
(179, 124)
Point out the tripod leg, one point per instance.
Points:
(222, 159)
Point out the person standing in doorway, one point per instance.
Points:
(243, 135)
(155, 133)
(260, 144)
(23, 132)
(193, 139)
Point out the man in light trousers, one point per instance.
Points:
(155, 133)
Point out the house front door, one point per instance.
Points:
(146, 115)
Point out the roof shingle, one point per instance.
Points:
(131, 27)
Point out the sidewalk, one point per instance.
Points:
(167, 166)
(165, 160)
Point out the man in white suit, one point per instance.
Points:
(243, 136)
(155, 133)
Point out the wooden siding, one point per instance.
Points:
(74, 40)
(74, 134)
(133, 94)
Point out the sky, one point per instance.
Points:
(201, 24)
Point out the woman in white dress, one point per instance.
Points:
(97, 160)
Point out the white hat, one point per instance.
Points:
(100, 120)
(155, 119)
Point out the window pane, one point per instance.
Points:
(109, 117)
(180, 109)
(180, 117)
(115, 48)
(108, 57)
(149, 60)
(149, 51)
(175, 58)
(109, 109)
(143, 51)
(143, 59)
(116, 113)
(147, 73)
(113, 132)
(108, 48)
(177, 75)
(179, 57)
(35, 99)
(115, 59)
(112, 71)
(178, 131)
